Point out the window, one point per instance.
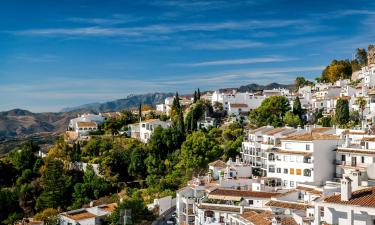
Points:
(143, 125)
(271, 169)
(298, 171)
(292, 158)
(307, 173)
(291, 183)
(285, 158)
(251, 202)
(307, 147)
(286, 171)
(278, 170)
(362, 159)
(291, 171)
(300, 159)
(343, 158)
(285, 183)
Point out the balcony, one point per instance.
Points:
(346, 163)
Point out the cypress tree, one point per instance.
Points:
(342, 111)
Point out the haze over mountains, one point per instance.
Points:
(19, 124)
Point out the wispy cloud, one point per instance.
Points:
(112, 20)
(238, 61)
(226, 44)
(44, 58)
(351, 12)
(161, 28)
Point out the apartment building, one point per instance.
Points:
(304, 158)
(220, 204)
(258, 141)
(355, 156)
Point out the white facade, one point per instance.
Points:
(304, 160)
(251, 100)
(147, 127)
(86, 216)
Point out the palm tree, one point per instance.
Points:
(361, 102)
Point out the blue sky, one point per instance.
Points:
(55, 54)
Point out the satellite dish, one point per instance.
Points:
(371, 171)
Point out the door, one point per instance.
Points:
(354, 161)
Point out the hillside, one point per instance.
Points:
(257, 87)
(119, 104)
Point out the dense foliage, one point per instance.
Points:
(43, 187)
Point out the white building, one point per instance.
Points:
(258, 141)
(347, 208)
(143, 130)
(251, 100)
(237, 109)
(87, 216)
(98, 119)
(354, 156)
(305, 158)
(220, 204)
(79, 128)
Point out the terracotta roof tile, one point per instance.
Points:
(238, 105)
(86, 124)
(260, 129)
(370, 139)
(357, 151)
(258, 218)
(364, 197)
(288, 205)
(79, 215)
(275, 131)
(310, 136)
(265, 218)
(218, 208)
(218, 163)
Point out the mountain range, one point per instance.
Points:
(20, 125)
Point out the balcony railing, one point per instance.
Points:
(346, 163)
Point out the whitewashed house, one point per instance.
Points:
(87, 216)
(304, 158)
(348, 207)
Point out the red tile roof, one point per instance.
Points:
(238, 105)
(218, 163)
(288, 205)
(265, 218)
(86, 124)
(364, 197)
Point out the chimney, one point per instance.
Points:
(242, 209)
(347, 141)
(355, 180)
(237, 160)
(346, 188)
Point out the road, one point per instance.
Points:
(162, 220)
